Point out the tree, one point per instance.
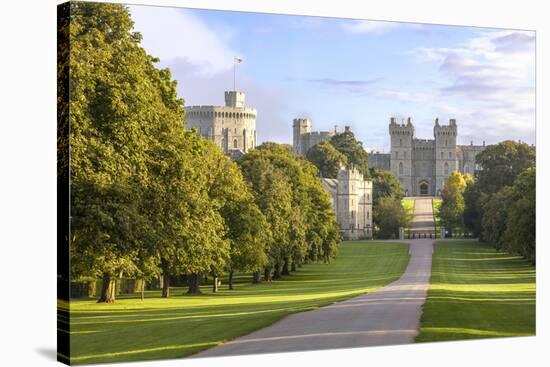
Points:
(520, 234)
(248, 232)
(495, 213)
(353, 150)
(391, 216)
(452, 205)
(502, 163)
(384, 184)
(474, 200)
(290, 194)
(117, 94)
(327, 159)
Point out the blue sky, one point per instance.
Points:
(350, 72)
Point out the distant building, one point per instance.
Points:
(304, 138)
(232, 127)
(351, 198)
(423, 165)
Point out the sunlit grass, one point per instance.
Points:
(436, 206)
(408, 204)
(477, 292)
(155, 328)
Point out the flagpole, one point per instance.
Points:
(234, 72)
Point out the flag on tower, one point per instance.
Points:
(238, 60)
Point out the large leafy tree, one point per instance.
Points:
(352, 149)
(327, 159)
(495, 213)
(385, 184)
(502, 163)
(390, 216)
(307, 224)
(452, 195)
(520, 233)
(117, 97)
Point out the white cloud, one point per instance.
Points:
(488, 83)
(172, 34)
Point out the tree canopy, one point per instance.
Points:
(353, 150)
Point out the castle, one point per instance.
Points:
(351, 198)
(350, 193)
(422, 165)
(232, 127)
(304, 138)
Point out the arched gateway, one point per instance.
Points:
(424, 188)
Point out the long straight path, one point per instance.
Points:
(423, 219)
(388, 316)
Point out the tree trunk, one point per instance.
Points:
(165, 286)
(214, 283)
(285, 270)
(267, 275)
(230, 281)
(108, 289)
(277, 272)
(256, 277)
(194, 286)
(293, 267)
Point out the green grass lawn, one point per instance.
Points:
(155, 328)
(436, 205)
(477, 292)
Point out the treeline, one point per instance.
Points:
(344, 150)
(499, 204)
(149, 198)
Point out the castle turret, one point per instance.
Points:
(300, 126)
(401, 136)
(445, 152)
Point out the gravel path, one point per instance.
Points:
(388, 316)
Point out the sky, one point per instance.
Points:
(344, 72)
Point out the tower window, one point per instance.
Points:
(441, 155)
(446, 169)
(235, 144)
(400, 168)
(400, 142)
(450, 154)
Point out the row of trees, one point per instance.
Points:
(344, 150)
(499, 205)
(150, 198)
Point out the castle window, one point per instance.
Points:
(441, 155)
(400, 168)
(223, 143)
(446, 169)
(235, 144)
(400, 142)
(405, 154)
(446, 141)
(235, 131)
(450, 154)
(368, 215)
(396, 154)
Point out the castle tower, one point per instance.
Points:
(234, 99)
(445, 152)
(300, 127)
(354, 204)
(401, 140)
(232, 127)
